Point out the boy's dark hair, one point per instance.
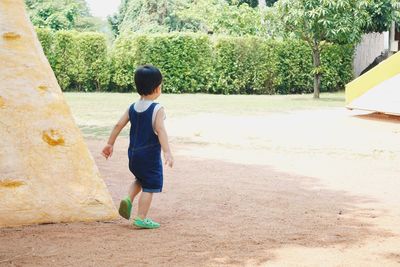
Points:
(147, 79)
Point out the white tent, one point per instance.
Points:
(378, 89)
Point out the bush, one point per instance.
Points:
(294, 68)
(79, 60)
(338, 67)
(123, 63)
(184, 59)
(64, 61)
(244, 65)
(92, 62)
(46, 37)
(193, 63)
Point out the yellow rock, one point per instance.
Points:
(46, 171)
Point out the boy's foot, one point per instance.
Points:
(146, 223)
(125, 208)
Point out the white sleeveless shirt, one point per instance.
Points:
(142, 105)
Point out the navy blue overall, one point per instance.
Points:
(145, 150)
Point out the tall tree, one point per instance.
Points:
(219, 17)
(61, 14)
(216, 16)
(149, 16)
(382, 13)
(116, 19)
(320, 21)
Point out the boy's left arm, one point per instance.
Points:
(108, 149)
(163, 137)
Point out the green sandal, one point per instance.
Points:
(146, 223)
(125, 208)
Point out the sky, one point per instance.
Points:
(103, 8)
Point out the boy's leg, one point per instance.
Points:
(125, 207)
(144, 204)
(134, 189)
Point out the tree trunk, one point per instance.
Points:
(392, 34)
(98, 88)
(317, 71)
(262, 4)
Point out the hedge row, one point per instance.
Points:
(80, 60)
(193, 63)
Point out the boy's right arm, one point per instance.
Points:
(108, 149)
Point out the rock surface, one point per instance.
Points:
(47, 173)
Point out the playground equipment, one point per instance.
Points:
(377, 90)
(47, 174)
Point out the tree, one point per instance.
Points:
(382, 13)
(320, 21)
(150, 16)
(210, 16)
(61, 15)
(116, 19)
(218, 17)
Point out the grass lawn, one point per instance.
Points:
(96, 113)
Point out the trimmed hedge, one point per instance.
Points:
(79, 60)
(244, 66)
(184, 59)
(193, 63)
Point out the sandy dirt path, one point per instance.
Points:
(242, 197)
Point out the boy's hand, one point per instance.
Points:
(169, 160)
(107, 151)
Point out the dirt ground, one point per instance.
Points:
(308, 188)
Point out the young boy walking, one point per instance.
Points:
(147, 137)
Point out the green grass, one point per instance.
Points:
(96, 113)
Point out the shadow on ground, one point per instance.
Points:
(377, 116)
(212, 213)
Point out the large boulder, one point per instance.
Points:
(47, 174)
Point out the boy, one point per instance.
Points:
(147, 137)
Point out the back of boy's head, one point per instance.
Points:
(147, 79)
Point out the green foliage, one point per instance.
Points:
(218, 17)
(382, 13)
(208, 16)
(294, 67)
(244, 66)
(317, 22)
(337, 66)
(79, 60)
(46, 37)
(194, 63)
(61, 15)
(184, 59)
(124, 61)
(64, 58)
(314, 21)
(151, 16)
(116, 19)
(92, 61)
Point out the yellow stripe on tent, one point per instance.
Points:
(382, 72)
